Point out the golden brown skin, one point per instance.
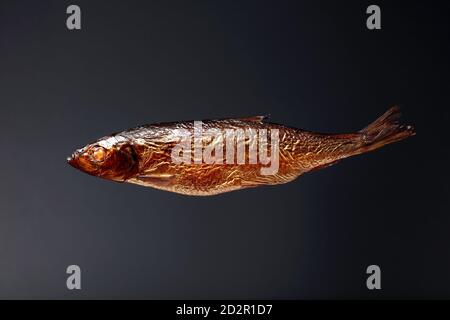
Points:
(143, 155)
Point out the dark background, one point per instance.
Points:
(310, 64)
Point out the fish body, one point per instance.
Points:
(216, 156)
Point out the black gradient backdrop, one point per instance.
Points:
(310, 64)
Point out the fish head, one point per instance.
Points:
(112, 158)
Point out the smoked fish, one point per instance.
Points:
(202, 158)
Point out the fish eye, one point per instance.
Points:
(98, 154)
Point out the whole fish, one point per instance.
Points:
(210, 157)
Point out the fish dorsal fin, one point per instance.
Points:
(255, 118)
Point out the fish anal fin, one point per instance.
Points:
(323, 166)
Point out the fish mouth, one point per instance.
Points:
(79, 162)
(72, 160)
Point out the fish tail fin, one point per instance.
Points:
(385, 130)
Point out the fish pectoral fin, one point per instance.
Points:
(162, 179)
(255, 118)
